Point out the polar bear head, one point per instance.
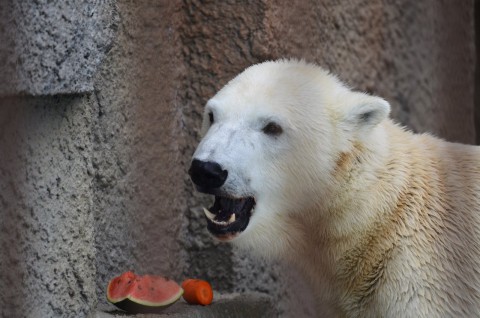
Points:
(272, 139)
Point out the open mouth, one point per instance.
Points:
(228, 217)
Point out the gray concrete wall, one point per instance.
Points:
(47, 256)
(53, 47)
(94, 183)
(140, 199)
(419, 55)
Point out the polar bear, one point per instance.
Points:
(382, 222)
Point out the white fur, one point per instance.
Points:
(377, 218)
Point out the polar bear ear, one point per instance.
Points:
(365, 111)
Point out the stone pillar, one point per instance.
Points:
(139, 198)
(49, 54)
(47, 257)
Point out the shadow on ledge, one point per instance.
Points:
(251, 305)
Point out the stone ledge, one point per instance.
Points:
(251, 305)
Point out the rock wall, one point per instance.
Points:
(53, 48)
(47, 256)
(100, 112)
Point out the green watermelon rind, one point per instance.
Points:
(171, 300)
(132, 305)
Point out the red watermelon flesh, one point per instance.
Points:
(142, 294)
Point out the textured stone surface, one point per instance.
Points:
(47, 257)
(251, 305)
(54, 47)
(477, 72)
(418, 55)
(139, 198)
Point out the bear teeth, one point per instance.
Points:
(211, 217)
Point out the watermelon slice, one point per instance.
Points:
(142, 294)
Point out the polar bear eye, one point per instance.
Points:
(272, 129)
(211, 118)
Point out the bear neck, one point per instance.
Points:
(369, 182)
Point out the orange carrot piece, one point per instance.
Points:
(197, 292)
(188, 281)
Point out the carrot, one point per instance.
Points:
(197, 292)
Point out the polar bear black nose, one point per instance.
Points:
(207, 174)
